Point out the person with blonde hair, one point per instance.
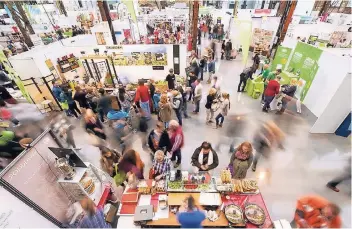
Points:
(177, 141)
(93, 216)
(241, 160)
(210, 101)
(225, 107)
(164, 110)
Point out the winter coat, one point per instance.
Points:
(165, 112)
(163, 144)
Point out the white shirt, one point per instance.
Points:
(198, 92)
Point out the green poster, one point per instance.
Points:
(304, 63)
(281, 58)
(14, 76)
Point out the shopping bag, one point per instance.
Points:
(64, 105)
(120, 176)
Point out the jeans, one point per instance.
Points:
(185, 109)
(196, 103)
(263, 92)
(146, 108)
(210, 114)
(210, 36)
(101, 115)
(220, 118)
(267, 101)
(177, 153)
(201, 73)
(206, 67)
(179, 115)
(74, 109)
(228, 54)
(244, 81)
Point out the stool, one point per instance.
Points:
(46, 105)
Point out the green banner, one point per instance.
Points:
(245, 32)
(14, 76)
(281, 58)
(304, 63)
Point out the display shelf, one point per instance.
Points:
(78, 176)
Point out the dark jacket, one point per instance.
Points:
(196, 163)
(247, 73)
(209, 102)
(289, 90)
(164, 142)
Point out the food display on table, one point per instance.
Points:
(212, 215)
(225, 176)
(161, 85)
(234, 214)
(245, 186)
(222, 187)
(254, 214)
(146, 187)
(175, 185)
(160, 186)
(88, 185)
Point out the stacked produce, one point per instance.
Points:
(145, 187)
(225, 176)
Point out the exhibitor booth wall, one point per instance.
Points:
(323, 78)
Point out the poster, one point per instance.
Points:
(261, 39)
(304, 63)
(281, 57)
(134, 56)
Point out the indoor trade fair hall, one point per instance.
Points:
(181, 114)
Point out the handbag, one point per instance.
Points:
(64, 105)
(119, 177)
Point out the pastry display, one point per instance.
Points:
(254, 214)
(145, 187)
(245, 186)
(88, 185)
(234, 214)
(225, 176)
(222, 187)
(160, 186)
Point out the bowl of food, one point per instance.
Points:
(255, 214)
(234, 214)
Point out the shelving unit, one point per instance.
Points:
(68, 64)
(74, 187)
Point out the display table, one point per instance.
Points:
(286, 77)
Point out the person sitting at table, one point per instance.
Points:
(161, 166)
(241, 160)
(189, 215)
(205, 158)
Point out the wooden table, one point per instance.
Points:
(176, 199)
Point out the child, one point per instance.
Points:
(225, 107)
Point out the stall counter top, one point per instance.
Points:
(176, 199)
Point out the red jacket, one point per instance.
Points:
(142, 94)
(272, 89)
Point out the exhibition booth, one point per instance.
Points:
(42, 186)
(323, 78)
(80, 60)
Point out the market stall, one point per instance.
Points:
(59, 180)
(226, 202)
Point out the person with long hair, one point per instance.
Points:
(131, 164)
(241, 160)
(93, 216)
(165, 110)
(189, 215)
(108, 159)
(225, 107)
(124, 99)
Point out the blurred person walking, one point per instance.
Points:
(177, 141)
(346, 176)
(316, 212)
(189, 215)
(80, 97)
(143, 98)
(197, 96)
(93, 216)
(103, 104)
(66, 97)
(93, 125)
